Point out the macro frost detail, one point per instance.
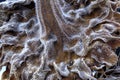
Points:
(59, 39)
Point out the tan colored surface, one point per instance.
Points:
(59, 39)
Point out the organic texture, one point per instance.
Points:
(60, 40)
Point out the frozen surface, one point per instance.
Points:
(59, 39)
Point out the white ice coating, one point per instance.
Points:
(82, 69)
(54, 39)
(62, 69)
(2, 71)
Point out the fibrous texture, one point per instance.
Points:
(60, 40)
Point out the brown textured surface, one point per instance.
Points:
(59, 40)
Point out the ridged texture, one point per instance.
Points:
(59, 40)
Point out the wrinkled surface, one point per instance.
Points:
(59, 40)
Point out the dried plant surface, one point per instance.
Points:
(60, 40)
